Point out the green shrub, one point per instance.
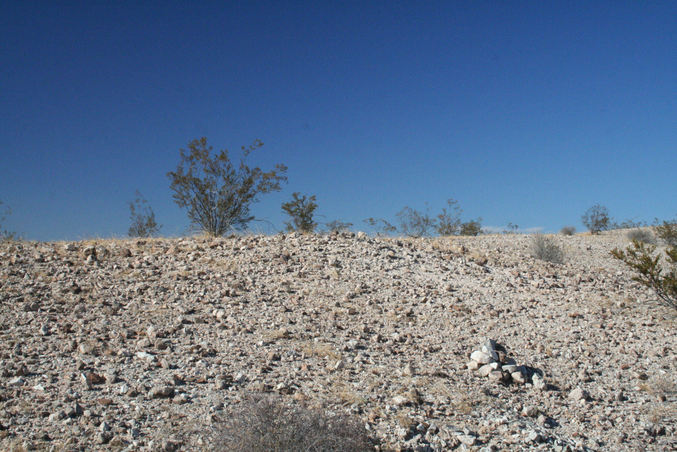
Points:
(143, 218)
(472, 227)
(545, 249)
(667, 232)
(568, 230)
(216, 193)
(596, 219)
(300, 209)
(650, 272)
(267, 424)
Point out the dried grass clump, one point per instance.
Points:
(545, 249)
(267, 424)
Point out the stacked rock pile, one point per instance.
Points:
(491, 361)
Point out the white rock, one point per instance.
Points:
(481, 357)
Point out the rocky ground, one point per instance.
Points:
(147, 344)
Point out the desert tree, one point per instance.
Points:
(300, 210)
(142, 218)
(216, 193)
(596, 219)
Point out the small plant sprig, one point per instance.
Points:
(650, 272)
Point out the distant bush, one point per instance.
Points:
(596, 219)
(449, 221)
(300, 210)
(143, 218)
(511, 228)
(651, 273)
(267, 424)
(472, 227)
(337, 226)
(216, 193)
(568, 230)
(545, 249)
(628, 224)
(641, 235)
(413, 223)
(667, 232)
(6, 235)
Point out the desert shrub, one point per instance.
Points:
(545, 249)
(449, 221)
(337, 226)
(414, 223)
(300, 210)
(142, 218)
(5, 235)
(472, 227)
(641, 235)
(650, 271)
(511, 228)
(667, 232)
(267, 424)
(628, 224)
(568, 230)
(596, 219)
(381, 225)
(217, 194)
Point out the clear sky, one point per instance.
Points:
(525, 112)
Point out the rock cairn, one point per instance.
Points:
(491, 361)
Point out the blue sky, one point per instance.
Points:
(525, 112)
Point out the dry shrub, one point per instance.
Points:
(267, 424)
(641, 235)
(545, 249)
(568, 230)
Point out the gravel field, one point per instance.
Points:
(150, 344)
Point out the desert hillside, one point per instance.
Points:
(150, 344)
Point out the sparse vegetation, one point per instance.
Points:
(5, 235)
(268, 424)
(413, 223)
(628, 224)
(511, 228)
(596, 219)
(217, 194)
(568, 230)
(641, 235)
(449, 221)
(545, 249)
(300, 210)
(472, 227)
(142, 218)
(338, 226)
(667, 232)
(651, 272)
